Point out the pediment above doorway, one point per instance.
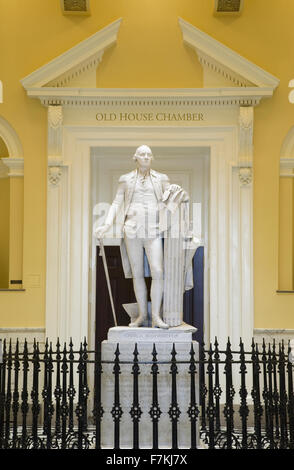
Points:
(77, 66)
(222, 64)
(229, 79)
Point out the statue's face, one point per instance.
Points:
(144, 157)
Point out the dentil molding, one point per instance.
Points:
(74, 62)
(224, 59)
(62, 81)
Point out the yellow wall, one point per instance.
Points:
(4, 222)
(4, 232)
(149, 53)
(286, 234)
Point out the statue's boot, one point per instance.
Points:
(157, 321)
(141, 296)
(138, 322)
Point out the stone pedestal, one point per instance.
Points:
(145, 338)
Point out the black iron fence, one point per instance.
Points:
(236, 399)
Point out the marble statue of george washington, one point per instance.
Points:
(143, 199)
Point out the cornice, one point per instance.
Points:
(287, 167)
(15, 166)
(240, 96)
(85, 55)
(224, 60)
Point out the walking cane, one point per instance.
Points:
(107, 279)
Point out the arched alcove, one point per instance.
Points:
(286, 214)
(11, 207)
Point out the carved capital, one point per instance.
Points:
(246, 133)
(55, 116)
(54, 175)
(245, 176)
(55, 129)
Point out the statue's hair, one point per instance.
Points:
(142, 147)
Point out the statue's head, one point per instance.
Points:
(143, 154)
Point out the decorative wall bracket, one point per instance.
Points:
(54, 174)
(245, 176)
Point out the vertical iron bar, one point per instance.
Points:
(135, 411)
(256, 394)
(80, 406)
(85, 389)
(50, 407)
(24, 395)
(275, 393)
(15, 403)
(98, 410)
(8, 396)
(155, 410)
(229, 410)
(58, 391)
(265, 393)
(174, 410)
(270, 400)
(283, 397)
(217, 391)
(64, 405)
(71, 389)
(210, 408)
(193, 410)
(35, 393)
(116, 411)
(290, 400)
(202, 385)
(2, 394)
(244, 410)
(45, 388)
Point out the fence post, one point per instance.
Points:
(35, 393)
(203, 388)
(8, 396)
(243, 411)
(24, 395)
(15, 403)
(155, 410)
(256, 394)
(193, 410)
(2, 390)
(275, 393)
(283, 398)
(116, 411)
(98, 409)
(210, 407)
(290, 399)
(57, 390)
(217, 391)
(64, 404)
(135, 411)
(174, 410)
(71, 389)
(229, 410)
(270, 399)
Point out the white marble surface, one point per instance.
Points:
(178, 334)
(145, 393)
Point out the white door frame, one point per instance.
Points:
(229, 257)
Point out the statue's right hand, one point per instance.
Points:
(100, 231)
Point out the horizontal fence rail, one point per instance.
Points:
(53, 399)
